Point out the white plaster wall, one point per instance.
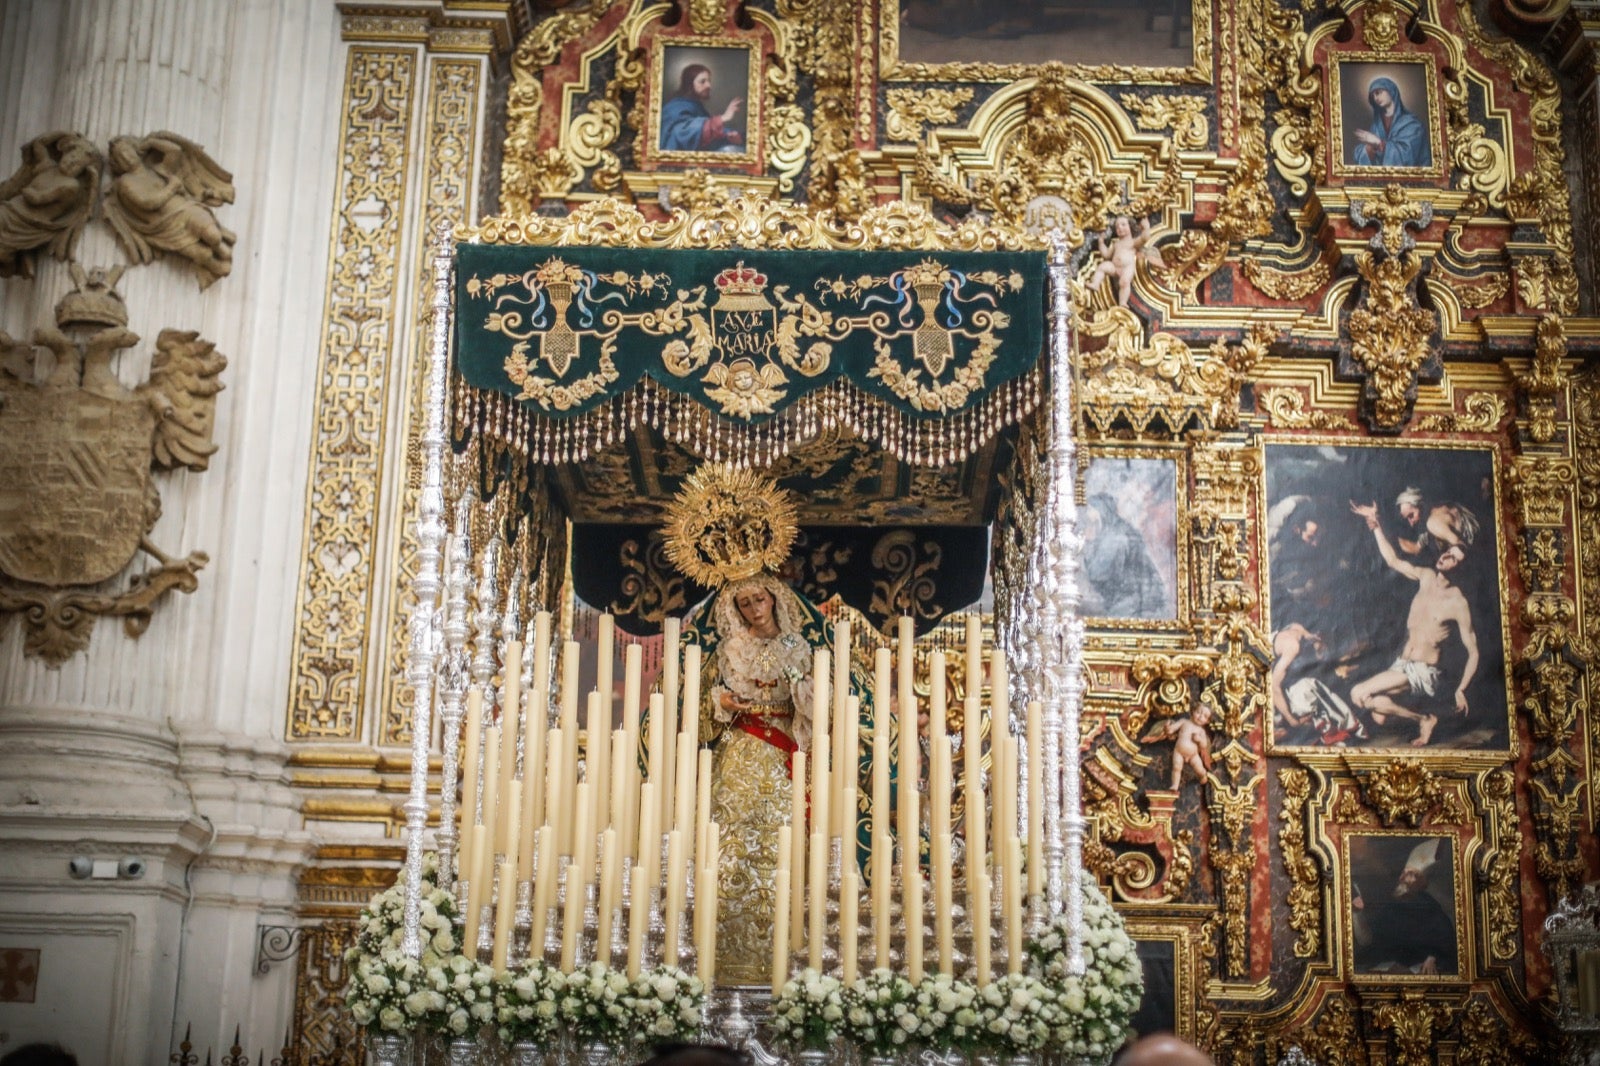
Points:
(176, 737)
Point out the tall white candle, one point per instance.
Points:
(649, 843)
(881, 927)
(609, 868)
(597, 752)
(702, 806)
(691, 695)
(780, 933)
(630, 725)
(570, 681)
(638, 918)
(683, 807)
(841, 714)
(670, 657)
(943, 914)
(536, 754)
(980, 925)
(583, 843)
(510, 713)
(972, 789)
(818, 887)
(797, 822)
(491, 788)
(617, 817)
(505, 913)
(654, 749)
(471, 762)
(672, 916)
(1013, 905)
(555, 795)
(544, 890)
(821, 740)
(571, 919)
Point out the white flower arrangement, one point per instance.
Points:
(1020, 1014)
(947, 1013)
(527, 1003)
(808, 1013)
(1094, 1009)
(387, 990)
(879, 1014)
(667, 1005)
(593, 1005)
(459, 995)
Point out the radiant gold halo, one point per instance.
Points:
(728, 524)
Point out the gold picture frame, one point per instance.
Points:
(894, 66)
(1353, 81)
(676, 115)
(1336, 610)
(1133, 496)
(1397, 926)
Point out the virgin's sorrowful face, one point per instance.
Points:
(755, 607)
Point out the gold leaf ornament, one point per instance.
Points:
(727, 524)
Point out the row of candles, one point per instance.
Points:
(537, 820)
(996, 881)
(597, 825)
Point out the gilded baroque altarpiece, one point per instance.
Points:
(1318, 394)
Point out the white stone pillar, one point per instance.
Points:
(169, 747)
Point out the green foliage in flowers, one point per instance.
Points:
(808, 1012)
(527, 1003)
(874, 1007)
(1094, 1009)
(443, 991)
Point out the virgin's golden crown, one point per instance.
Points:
(727, 524)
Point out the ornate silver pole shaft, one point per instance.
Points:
(1062, 645)
(453, 681)
(425, 590)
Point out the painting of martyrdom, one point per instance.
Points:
(1403, 905)
(1384, 578)
(1155, 33)
(1385, 115)
(703, 99)
(1130, 531)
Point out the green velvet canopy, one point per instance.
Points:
(743, 332)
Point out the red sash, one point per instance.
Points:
(776, 737)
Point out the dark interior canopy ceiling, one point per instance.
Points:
(886, 537)
(837, 478)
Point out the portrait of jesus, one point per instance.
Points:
(704, 99)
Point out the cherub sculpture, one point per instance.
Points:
(47, 201)
(161, 200)
(1191, 743)
(1120, 258)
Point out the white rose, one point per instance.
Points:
(392, 1019)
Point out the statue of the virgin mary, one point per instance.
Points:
(731, 530)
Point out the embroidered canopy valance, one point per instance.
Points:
(746, 333)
